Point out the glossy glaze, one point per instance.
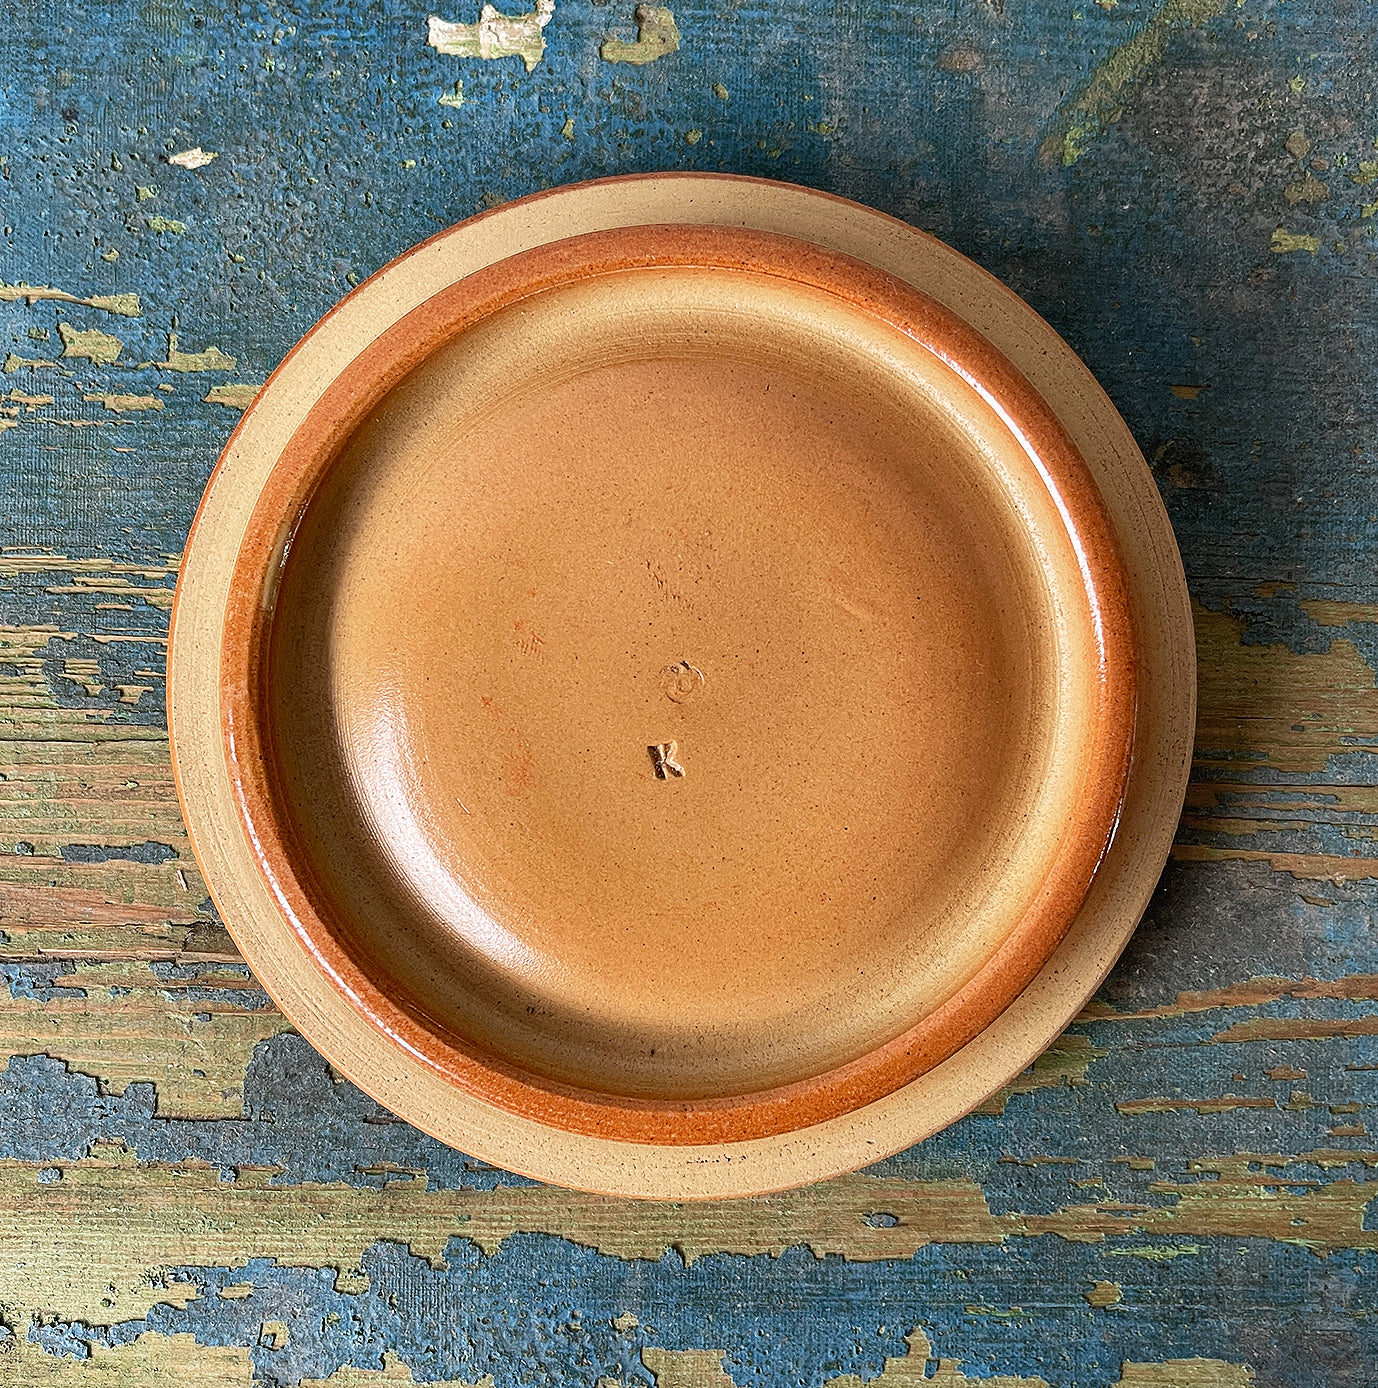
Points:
(456, 660)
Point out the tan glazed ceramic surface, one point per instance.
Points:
(654, 678)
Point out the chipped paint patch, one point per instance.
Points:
(30, 404)
(121, 1023)
(123, 305)
(237, 395)
(91, 344)
(1328, 613)
(1227, 1103)
(1186, 1373)
(1253, 992)
(1308, 190)
(495, 35)
(1101, 97)
(15, 363)
(196, 158)
(1103, 1295)
(1308, 867)
(211, 359)
(1297, 1029)
(656, 35)
(1284, 241)
(393, 1374)
(686, 1368)
(1232, 1197)
(126, 404)
(165, 224)
(151, 1359)
(111, 1221)
(1269, 705)
(1065, 1062)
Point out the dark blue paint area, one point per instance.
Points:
(542, 1310)
(147, 852)
(296, 1116)
(1151, 251)
(117, 662)
(39, 982)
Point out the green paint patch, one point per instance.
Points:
(123, 305)
(166, 224)
(237, 395)
(495, 35)
(1099, 103)
(1367, 173)
(15, 363)
(211, 359)
(1309, 190)
(91, 344)
(1284, 241)
(656, 35)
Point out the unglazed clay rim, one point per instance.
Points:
(1118, 895)
(1104, 749)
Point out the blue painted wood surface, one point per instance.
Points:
(1187, 191)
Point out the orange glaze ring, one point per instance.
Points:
(346, 404)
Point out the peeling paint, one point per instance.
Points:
(702, 1368)
(1284, 241)
(196, 158)
(95, 346)
(1098, 103)
(123, 305)
(122, 1023)
(1253, 992)
(656, 35)
(1065, 1062)
(1297, 1029)
(1269, 705)
(393, 1374)
(152, 1359)
(211, 359)
(1308, 190)
(495, 35)
(1238, 1197)
(1227, 1103)
(17, 363)
(1187, 1373)
(237, 395)
(1104, 1295)
(1313, 867)
(111, 1220)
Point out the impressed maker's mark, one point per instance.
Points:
(663, 756)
